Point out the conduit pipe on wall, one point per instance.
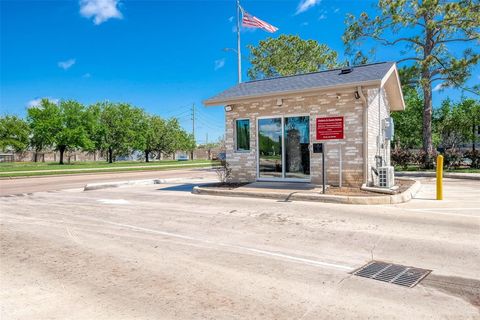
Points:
(365, 134)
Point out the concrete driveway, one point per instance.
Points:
(159, 252)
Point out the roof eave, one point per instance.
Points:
(227, 101)
(395, 88)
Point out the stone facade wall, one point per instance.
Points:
(53, 156)
(326, 104)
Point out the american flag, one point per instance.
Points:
(250, 21)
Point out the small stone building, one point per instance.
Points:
(277, 129)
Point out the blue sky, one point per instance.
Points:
(159, 55)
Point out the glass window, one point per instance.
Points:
(243, 134)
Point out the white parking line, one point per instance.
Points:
(456, 209)
(113, 201)
(437, 211)
(226, 245)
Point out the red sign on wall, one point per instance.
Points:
(330, 128)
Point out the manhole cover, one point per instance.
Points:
(392, 273)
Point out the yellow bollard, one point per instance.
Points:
(440, 177)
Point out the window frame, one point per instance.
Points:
(236, 136)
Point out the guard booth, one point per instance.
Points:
(277, 129)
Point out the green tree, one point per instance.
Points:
(289, 55)
(119, 128)
(427, 29)
(14, 134)
(95, 128)
(61, 126)
(448, 124)
(469, 110)
(153, 134)
(41, 120)
(408, 123)
(186, 142)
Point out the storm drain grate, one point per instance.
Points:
(392, 273)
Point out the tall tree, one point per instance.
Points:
(14, 134)
(120, 126)
(94, 128)
(426, 29)
(174, 138)
(61, 126)
(152, 135)
(289, 55)
(41, 120)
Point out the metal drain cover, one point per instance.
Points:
(392, 273)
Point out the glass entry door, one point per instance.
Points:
(270, 148)
(283, 148)
(297, 153)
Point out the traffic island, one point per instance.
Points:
(308, 192)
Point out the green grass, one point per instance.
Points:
(21, 169)
(29, 166)
(417, 168)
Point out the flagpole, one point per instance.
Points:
(239, 53)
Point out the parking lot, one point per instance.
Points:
(160, 252)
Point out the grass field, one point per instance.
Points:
(23, 169)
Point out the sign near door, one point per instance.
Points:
(330, 128)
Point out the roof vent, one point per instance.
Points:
(346, 70)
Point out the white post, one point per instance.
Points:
(239, 53)
(340, 166)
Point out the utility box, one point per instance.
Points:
(385, 177)
(388, 128)
(318, 148)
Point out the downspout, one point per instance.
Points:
(365, 135)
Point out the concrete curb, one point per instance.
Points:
(427, 174)
(405, 196)
(118, 184)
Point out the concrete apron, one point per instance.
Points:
(305, 192)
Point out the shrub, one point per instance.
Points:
(452, 158)
(426, 160)
(223, 171)
(401, 157)
(474, 157)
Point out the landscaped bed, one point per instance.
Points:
(403, 185)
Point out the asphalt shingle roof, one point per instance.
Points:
(316, 80)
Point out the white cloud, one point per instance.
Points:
(86, 75)
(67, 64)
(322, 17)
(220, 63)
(438, 87)
(304, 5)
(34, 103)
(336, 10)
(305, 24)
(230, 19)
(100, 10)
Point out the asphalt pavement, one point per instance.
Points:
(28, 185)
(160, 252)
